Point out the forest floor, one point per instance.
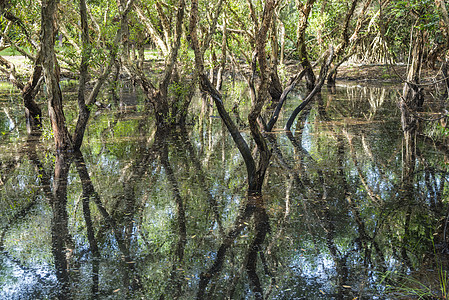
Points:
(375, 74)
(381, 74)
(371, 74)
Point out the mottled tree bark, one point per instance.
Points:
(83, 105)
(51, 75)
(84, 111)
(255, 186)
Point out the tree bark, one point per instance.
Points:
(262, 95)
(304, 12)
(85, 53)
(51, 75)
(83, 105)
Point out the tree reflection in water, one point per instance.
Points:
(163, 214)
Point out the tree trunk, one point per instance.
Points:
(304, 12)
(412, 93)
(315, 90)
(51, 75)
(33, 112)
(224, 48)
(345, 39)
(412, 100)
(84, 111)
(124, 28)
(255, 186)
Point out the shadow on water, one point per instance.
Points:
(348, 212)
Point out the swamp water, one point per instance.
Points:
(145, 214)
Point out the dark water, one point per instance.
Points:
(150, 214)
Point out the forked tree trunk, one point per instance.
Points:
(339, 51)
(51, 75)
(159, 96)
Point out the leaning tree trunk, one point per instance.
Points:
(51, 75)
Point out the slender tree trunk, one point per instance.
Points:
(83, 104)
(224, 48)
(33, 112)
(124, 28)
(275, 86)
(412, 100)
(282, 41)
(51, 75)
(85, 52)
(304, 12)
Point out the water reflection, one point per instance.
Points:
(154, 214)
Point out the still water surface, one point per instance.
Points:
(146, 214)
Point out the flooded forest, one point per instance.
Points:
(229, 149)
